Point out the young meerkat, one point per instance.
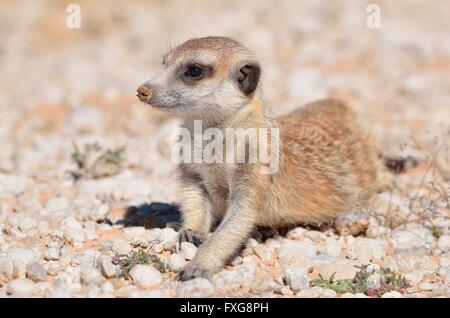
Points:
(327, 165)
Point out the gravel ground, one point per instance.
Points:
(88, 193)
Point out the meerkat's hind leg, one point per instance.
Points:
(352, 223)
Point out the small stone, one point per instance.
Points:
(444, 242)
(127, 291)
(387, 203)
(77, 235)
(350, 295)
(108, 269)
(407, 242)
(232, 280)
(377, 231)
(316, 292)
(392, 294)
(296, 234)
(315, 236)
(101, 212)
(416, 277)
(20, 287)
(134, 232)
(290, 252)
(444, 273)
(6, 267)
(155, 293)
(168, 235)
(445, 260)
(71, 222)
(297, 278)
(14, 220)
(332, 247)
(107, 287)
(343, 268)
(367, 249)
(43, 228)
(264, 286)
(328, 293)
(83, 259)
(89, 274)
(22, 255)
(196, 288)
(52, 268)
(426, 286)
(176, 263)
(27, 224)
(36, 272)
(145, 276)
(188, 250)
(121, 247)
(52, 254)
(286, 291)
(57, 204)
(409, 263)
(59, 289)
(262, 252)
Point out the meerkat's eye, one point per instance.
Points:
(194, 71)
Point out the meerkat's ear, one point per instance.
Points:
(247, 77)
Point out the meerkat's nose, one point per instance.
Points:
(144, 93)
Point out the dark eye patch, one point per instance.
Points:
(194, 72)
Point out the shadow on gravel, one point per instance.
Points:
(152, 215)
(160, 215)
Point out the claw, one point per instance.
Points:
(190, 236)
(191, 272)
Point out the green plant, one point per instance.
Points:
(128, 261)
(94, 161)
(389, 281)
(436, 231)
(339, 286)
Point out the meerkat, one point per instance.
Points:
(327, 165)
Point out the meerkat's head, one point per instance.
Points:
(212, 75)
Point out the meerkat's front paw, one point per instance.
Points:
(191, 271)
(187, 235)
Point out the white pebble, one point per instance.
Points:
(108, 269)
(444, 242)
(52, 254)
(20, 287)
(90, 274)
(297, 278)
(392, 294)
(27, 224)
(176, 263)
(188, 250)
(57, 204)
(145, 276)
(196, 288)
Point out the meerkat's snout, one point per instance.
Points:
(144, 93)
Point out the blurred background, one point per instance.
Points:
(64, 88)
